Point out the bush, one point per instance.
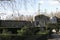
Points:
(42, 32)
(24, 31)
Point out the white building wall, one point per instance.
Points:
(53, 19)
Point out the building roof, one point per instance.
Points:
(40, 16)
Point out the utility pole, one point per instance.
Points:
(38, 8)
(25, 4)
(45, 10)
(56, 10)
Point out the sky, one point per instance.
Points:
(28, 7)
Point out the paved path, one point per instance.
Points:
(55, 37)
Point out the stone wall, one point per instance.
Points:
(14, 23)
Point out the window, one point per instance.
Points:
(37, 23)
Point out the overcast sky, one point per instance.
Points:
(29, 6)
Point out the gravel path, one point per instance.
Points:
(55, 37)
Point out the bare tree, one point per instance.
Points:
(57, 0)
